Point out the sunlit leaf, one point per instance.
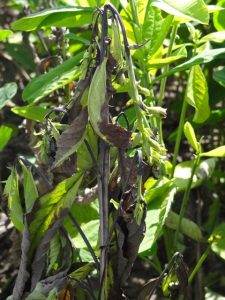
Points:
(197, 94)
(188, 227)
(190, 135)
(35, 113)
(218, 243)
(4, 33)
(60, 17)
(217, 37)
(5, 135)
(195, 10)
(217, 152)
(218, 16)
(202, 58)
(45, 84)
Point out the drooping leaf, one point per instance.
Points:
(157, 210)
(23, 274)
(188, 227)
(7, 92)
(190, 135)
(15, 208)
(4, 33)
(202, 58)
(190, 9)
(217, 152)
(197, 94)
(70, 140)
(35, 113)
(5, 135)
(60, 17)
(98, 111)
(218, 244)
(30, 189)
(218, 16)
(51, 206)
(56, 78)
(219, 76)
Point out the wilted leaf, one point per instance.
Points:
(70, 140)
(202, 58)
(7, 92)
(35, 113)
(98, 111)
(197, 94)
(45, 84)
(188, 227)
(190, 135)
(195, 10)
(15, 208)
(60, 17)
(51, 206)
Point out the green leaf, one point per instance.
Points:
(217, 37)
(217, 152)
(4, 33)
(197, 94)
(219, 76)
(56, 78)
(22, 55)
(60, 17)
(161, 62)
(158, 208)
(218, 243)
(35, 113)
(154, 28)
(7, 92)
(90, 229)
(52, 205)
(188, 227)
(15, 208)
(195, 10)
(29, 186)
(219, 16)
(202, 58)
(5, 135)
(82, 272)
(183, 171)
(190, 135)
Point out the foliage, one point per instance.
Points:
(99, 187)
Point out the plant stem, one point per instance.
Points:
(164, 80)
(199, 264)
(179, 135)
(185, 199)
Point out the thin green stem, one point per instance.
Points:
(199, 264)
(164, 80)
(185, 199)
(179, 135)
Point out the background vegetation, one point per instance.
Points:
(112, 149)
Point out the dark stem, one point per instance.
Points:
(76, 224)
